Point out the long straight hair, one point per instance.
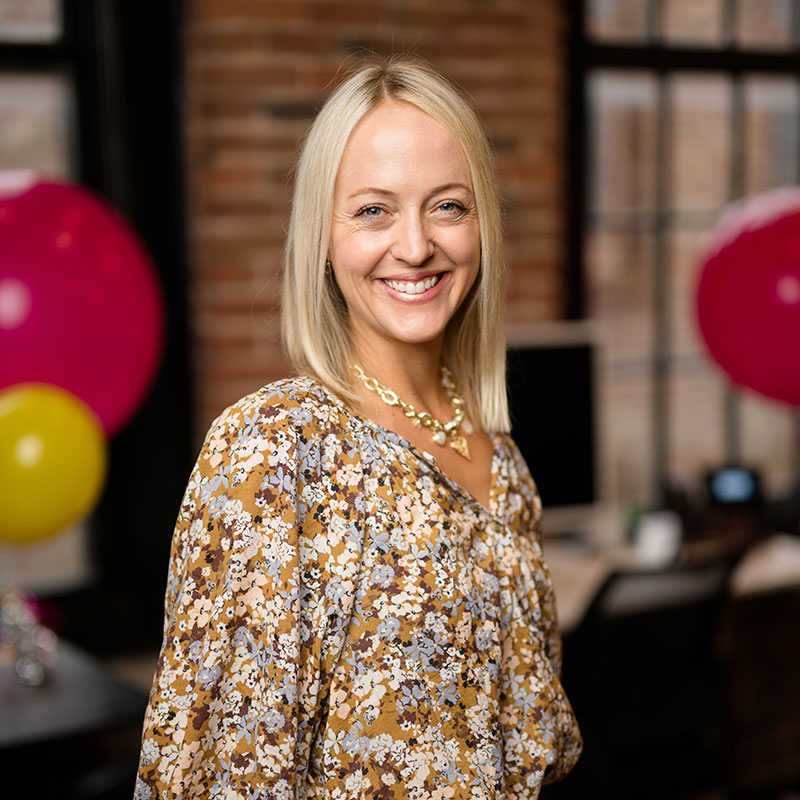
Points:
(315, 322)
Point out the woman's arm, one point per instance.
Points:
(249, 632)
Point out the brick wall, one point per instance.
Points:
(256, 70)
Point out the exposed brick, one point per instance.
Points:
(247, 9)
(362, 13)
(238, 77)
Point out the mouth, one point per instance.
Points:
(412, 288)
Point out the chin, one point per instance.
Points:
(420, 337)
(418, 331)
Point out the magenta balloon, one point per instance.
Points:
(748, 297)
(80, 305)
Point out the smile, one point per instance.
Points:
(406, 287)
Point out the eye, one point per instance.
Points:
(370, 211)
(452, 207)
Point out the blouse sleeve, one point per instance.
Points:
(258, 598)
(563, 726)
(531, 543)
(544, 587)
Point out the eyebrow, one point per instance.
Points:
(386, 193)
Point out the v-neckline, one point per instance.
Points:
(492, 510)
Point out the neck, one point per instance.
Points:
(413, 372)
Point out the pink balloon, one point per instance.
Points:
(80, 305)
(748, 297)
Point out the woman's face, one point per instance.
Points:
(405, 242)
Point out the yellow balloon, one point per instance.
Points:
(52, 461)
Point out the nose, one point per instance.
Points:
(413, 244)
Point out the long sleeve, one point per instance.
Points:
(525, 518)
(252, 624)
(553, 717)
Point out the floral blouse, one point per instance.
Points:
(345, 621)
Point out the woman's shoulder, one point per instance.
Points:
(517, 475)
(512, 455)
(289, 402)
(284, 425)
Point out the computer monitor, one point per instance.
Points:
(553, 397)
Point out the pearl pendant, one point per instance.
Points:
(440, 437)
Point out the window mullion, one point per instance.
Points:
(661, 292)
(732, 412)
(730, 11)
(653, 22)
(794, 22)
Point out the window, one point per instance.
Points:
(684, 106)
(30, 21)
(37, 104)
(82, 98)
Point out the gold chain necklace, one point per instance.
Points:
(440, 431)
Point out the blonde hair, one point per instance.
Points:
(315, 324)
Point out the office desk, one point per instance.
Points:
(75, 736)
(756, 725)
(79, 697)
(772, 564)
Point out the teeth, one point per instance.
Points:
(414, 288)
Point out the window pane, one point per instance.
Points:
(626, 406)
(623, 117)
(767, 437)
(772, 132)
(35, 110)
(764, 23)
(701, 142)
(30, 20)
(617, 20)
(622, 200)
(696, 388)
(621, 292)
(686, 251)
(692, 22)
(620, 281)
(696, 426)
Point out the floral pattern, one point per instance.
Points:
(344, 621)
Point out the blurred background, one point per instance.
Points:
(622, 129)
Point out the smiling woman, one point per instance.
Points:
(317, 342)
(348, 614)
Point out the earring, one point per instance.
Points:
(328, 268)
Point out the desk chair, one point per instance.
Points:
(644, 674)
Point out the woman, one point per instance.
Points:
(357, 603)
